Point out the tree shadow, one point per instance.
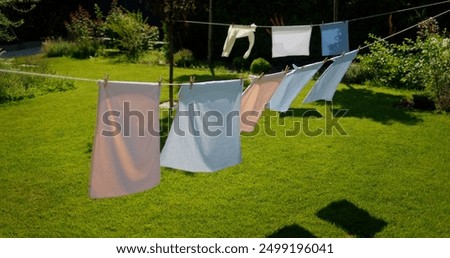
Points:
(301, 112)
(380, 107)
(354, 220)
(361, 103)
(292, 231)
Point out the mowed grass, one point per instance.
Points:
(377, 171)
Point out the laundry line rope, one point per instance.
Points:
(314, 25)
(55, 76)
(398, 11)
(48, 75)
(404, 30)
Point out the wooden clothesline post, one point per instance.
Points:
(171, 61)
(335, 10)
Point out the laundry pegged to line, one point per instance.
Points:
(205, 134)
(291, 40)
(125, 156)
(291, 86)
(255, 98)
(334, 38)
(328, 82)
(239, 31)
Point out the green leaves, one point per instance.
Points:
(7, 23)
(130, 32)
(422, 64)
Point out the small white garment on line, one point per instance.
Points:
(291, 86)
(205, 134)
(291, 40)
(239, 31)
(125, 157)
(255, 98)
(326, 85)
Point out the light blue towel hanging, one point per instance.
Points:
(205, 134)
(328, 82)
(334, 38)
(291, 86)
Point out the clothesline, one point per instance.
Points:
(399, 11)
(409, 28)
(48, 75)
(315, 25)
(54, 76)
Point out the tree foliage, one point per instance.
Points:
(7, 22)
(130, 32)
(420, 64)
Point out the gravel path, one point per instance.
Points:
(23, 52)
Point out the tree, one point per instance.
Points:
(7, 8)
(171, 11)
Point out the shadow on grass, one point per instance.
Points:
(355, 221)
(301, 112)
(362, 103)
(292, 231)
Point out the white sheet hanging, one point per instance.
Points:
(291, 86)
(291, 40)
(328, 82)
(205, 134)
(125, 157)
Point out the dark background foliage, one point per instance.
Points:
(47, 20)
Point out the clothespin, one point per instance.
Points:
(343, 53)
(259, 77)
(286, 69)
(106, 80)
(326, 59)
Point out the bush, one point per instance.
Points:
(57, 48)
(81, 26)
(260, 65)
(393, 65)
(184, 58)
(129, 32)
(85, 49)
(120, 29)
(435, 67)
(422, 64)
(240, 64)
(356, 74)
(153, 57)
(80, 49)
(15, 87)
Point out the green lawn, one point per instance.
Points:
(388, 177)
